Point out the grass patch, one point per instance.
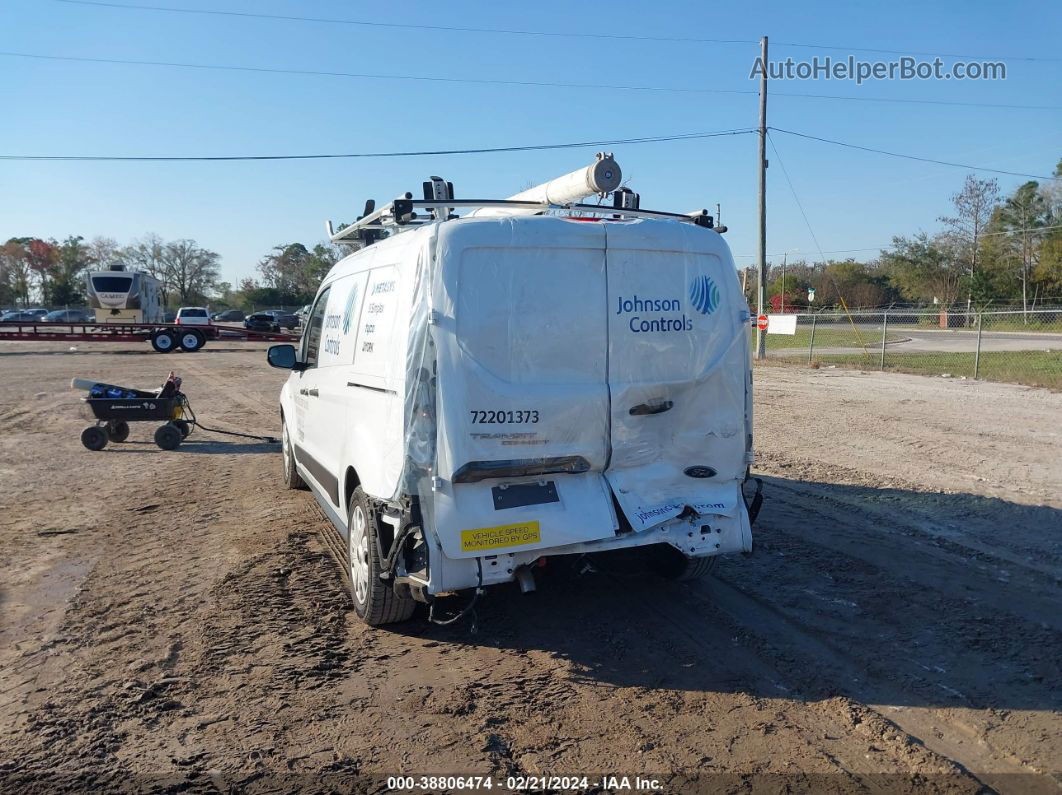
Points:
(1032, 368)
(829, 338)
(1037, 323)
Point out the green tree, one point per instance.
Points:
(191, 271)
(923, 268)
(974, 206)
(147, 255)
(72, 260)
(15, 271)
(1023, 215)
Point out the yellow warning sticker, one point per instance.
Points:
(505, 535)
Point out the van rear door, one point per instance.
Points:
(523, 407)
(677, 369)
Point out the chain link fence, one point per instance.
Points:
(1013, 346)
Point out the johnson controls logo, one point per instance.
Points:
(348, 310)
(704, 295)
(667, 314)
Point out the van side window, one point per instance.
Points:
(312, 338)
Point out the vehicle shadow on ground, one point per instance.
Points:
(834, 602)
(198, 446)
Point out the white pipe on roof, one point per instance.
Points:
(601, 176)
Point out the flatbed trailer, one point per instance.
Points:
(164, 337)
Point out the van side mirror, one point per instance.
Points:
(284, 357)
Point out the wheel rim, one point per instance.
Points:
(359, 554)
(190, 341)
(164, 341)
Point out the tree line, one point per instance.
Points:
(52, 273)
(992, 249)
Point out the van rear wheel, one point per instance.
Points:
(671, 564)
(375, 601)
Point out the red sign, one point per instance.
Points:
(761, 322)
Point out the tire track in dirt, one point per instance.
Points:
(874, 615)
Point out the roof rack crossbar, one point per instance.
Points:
(385, 215)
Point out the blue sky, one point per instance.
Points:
(853, 199)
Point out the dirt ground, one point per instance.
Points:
(176, 621)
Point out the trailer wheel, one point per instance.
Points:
(375, 600)
(118, 431)
(94, 437)
(164, 341)
(168, 436)
(191, 341)
(671, 564)
(184, 427)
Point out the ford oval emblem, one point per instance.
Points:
(699, 472)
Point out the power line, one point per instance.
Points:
(490, 150)
(796, 198)
(912, 157)
(498, 81)
(366, 75)
(525, 32)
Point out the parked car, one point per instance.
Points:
(302, 314)
(23, 316)
(69, 316)
(193, 316)
(261, 321)
(229, 316)
(284, 319)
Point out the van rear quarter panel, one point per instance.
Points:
(376, 305)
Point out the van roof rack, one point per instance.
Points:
(400, 214)
(563, 194)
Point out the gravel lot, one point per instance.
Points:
(177, 620)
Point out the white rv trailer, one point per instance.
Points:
(121, 296)
(474, 394)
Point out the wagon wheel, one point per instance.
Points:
(94, 437)
(118, 430)
(168, 436)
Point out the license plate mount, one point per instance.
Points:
(518, 495)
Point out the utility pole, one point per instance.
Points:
(761, 288)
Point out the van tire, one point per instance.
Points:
(671, 564)
(292, 478)
(375, 600)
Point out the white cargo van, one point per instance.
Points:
(474, 394)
